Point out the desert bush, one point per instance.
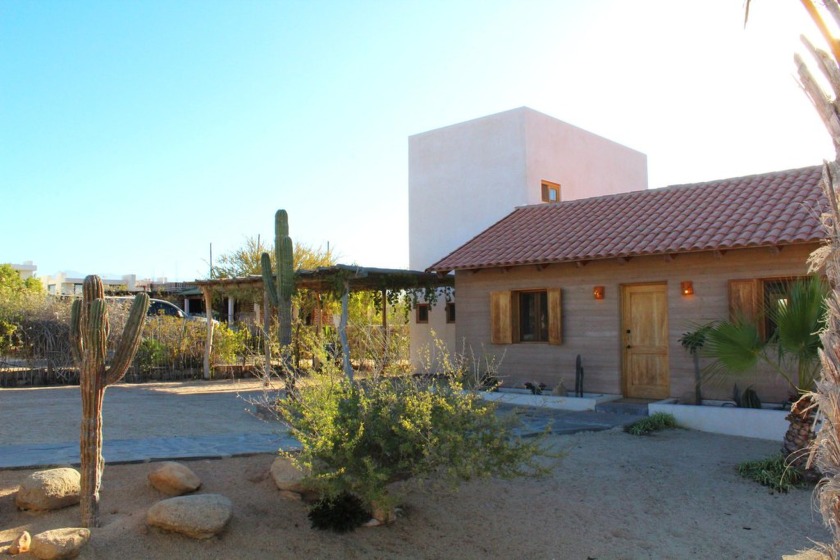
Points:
(360, 437)
(653, 423)
(150, 355)
(179, 344)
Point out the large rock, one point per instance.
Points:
(59, 543)
(174, 479)
(200, 516)
(50, 489)
(287, 476)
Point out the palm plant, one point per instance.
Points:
(792, 351)
(693, 341)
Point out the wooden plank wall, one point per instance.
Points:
(591, 328)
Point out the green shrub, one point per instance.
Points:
(653, 423)
(183, 342)
(358, 438)
(151, 354)
(229, 345)
(773, 472)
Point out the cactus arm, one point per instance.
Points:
(92, 288)
(76, 345)
(129, 341)
(268, 279)
(285, 268)
(97, 334)
(281, 224)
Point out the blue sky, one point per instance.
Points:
(135, 134)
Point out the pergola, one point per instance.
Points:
(339, 279)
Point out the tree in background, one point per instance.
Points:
(245, 260)
(16, 296)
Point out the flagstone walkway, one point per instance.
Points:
(150, 422)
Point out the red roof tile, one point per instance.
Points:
(772, 209)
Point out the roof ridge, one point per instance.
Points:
(766, 209)
(669, 188)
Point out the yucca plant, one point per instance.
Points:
(792, 351)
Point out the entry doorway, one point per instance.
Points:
(644, 328)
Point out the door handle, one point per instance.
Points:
(629, 346)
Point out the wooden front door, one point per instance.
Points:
(644, 324)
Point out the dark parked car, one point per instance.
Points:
(161, 307)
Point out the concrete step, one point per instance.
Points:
(618, 407)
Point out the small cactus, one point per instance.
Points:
(89, 329)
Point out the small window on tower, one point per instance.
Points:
(550, 192)
(422, 313)
(450, 312)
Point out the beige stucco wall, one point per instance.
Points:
(592, 328)
(465, 177)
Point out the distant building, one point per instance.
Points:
(26, 270)
(63, 285)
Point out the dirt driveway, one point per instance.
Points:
(194, 408)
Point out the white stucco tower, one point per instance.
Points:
(465, 177)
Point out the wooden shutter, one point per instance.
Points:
(501, 320)
(745, 297)
(555, 318)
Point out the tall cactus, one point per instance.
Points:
(89, 329)
(280, 291)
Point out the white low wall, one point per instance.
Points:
(586, 402)
(731, 421)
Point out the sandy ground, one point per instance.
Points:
(613, 496)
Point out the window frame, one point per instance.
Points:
(533, 313)
(421, 309)
(505, 316)
(546, 188)
(450, 312)
(749, 299)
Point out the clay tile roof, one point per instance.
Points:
(772, 209)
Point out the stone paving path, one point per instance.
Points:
(39, 427)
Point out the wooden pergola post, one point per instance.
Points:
(207, 292)
(384, 326)
(342, 331)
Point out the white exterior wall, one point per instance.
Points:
(465, 177)
(25, 270)
(61, 284)
(585, 165)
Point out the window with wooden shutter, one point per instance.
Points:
(501, 331)
(555, 319)
(526, 316)
(746, 302)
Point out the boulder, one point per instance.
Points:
(174, 479)
(59, 543)
(287, 476)
(199, 516)
(50, 489)
(21, 544)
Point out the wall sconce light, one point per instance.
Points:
(598, 292)
(687, 288)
